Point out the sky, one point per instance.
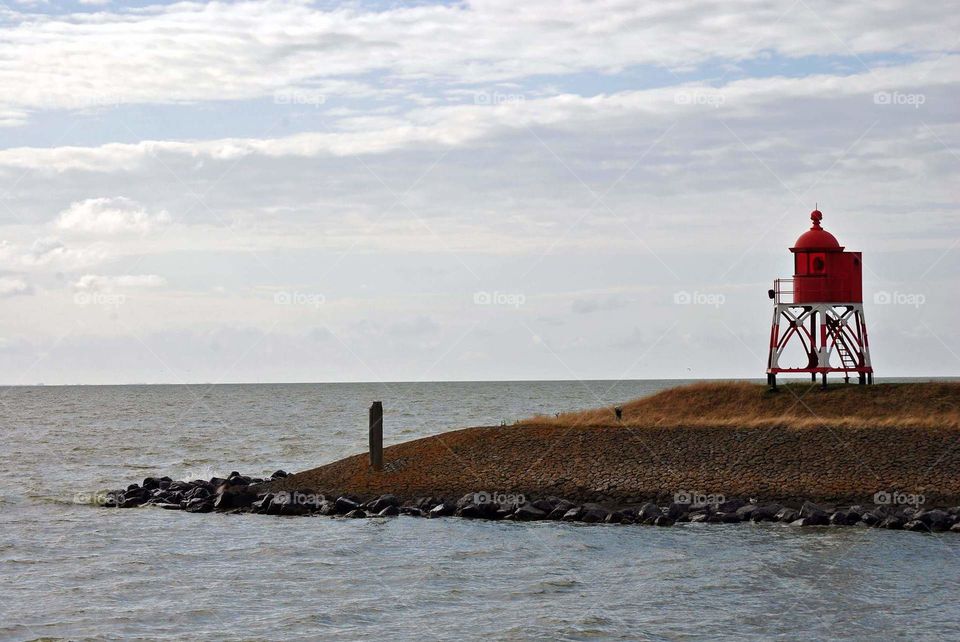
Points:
(379, 191)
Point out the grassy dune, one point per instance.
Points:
(746, 405)
(737, 439)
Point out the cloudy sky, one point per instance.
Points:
(393, 191)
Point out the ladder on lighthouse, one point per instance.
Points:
(847, 358)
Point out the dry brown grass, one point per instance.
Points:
(746, 405)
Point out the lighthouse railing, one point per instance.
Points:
(783, 291)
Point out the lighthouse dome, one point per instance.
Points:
(817, 238)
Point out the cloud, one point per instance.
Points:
(12, 286)
(109, 216)
(48, 253)
(232, 51)
(95, 282)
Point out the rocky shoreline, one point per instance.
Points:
(245, 494)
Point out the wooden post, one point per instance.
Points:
(376, 435)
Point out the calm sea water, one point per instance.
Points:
(78, 572)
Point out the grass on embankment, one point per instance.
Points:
(799, 405)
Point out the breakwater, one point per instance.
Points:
(710, 452)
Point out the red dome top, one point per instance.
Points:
(817, 238)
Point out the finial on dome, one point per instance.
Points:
(816, 216)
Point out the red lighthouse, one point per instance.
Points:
(821, 307)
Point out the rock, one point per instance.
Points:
(648, 512)
(936, 520)
(357, 513)
(412, 511)
(663, 520)
(788, 515)
(170, 506)
(727, 518)
(810, 509)
(766, 513)
(892, 522)
(345, 505)
(151, 483)
(470, 511)
(131, 501)
(593, 513)
(280, 474)
(746, 512)
(676, 511)
(572, 515)
(384, 501)
(529, 513)
(262, 505)
(844, 518)
(616, 517)
(198, 505)
(327, 507)
(872, 518)
(389, 511)
(731, 506)
(133, 487)
(916, 526)
(814, 519)
(955, 528)
(543, 505)
(699, 517)
(557, 513)
(443, 509)
(231, 497)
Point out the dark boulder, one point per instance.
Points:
(389, 511)
(573, 515)
(356, 514)
(648, 512)
(170, 506)
(345, 505)
(198, 505)
(844, 518)
(745, 513)
(766, 513)
(663, 520)
(936, 520)
(280, 474)
(327, 507)
(262, 505)
(529, 513)
(892, 522)
(788, 515)
(443, 509)
(593, 513)
(412, 511)
(916, 526)
(382, 502)
(810, 509)
(544, 505)
(699, 517)
(231, 497)
(151, 483)
(677, 511)
(731, 505)
(728, 518)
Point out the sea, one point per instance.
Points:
(75, 571)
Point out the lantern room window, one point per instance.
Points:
(818, 264)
